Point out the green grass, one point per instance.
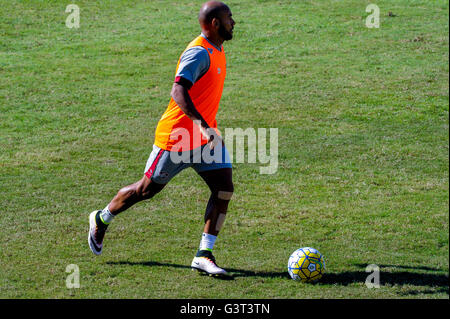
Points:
(363, 149)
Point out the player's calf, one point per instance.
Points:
(125, 198)
(134, 193)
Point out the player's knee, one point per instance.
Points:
(224, 195)
(151, 190)
(128, 192)
(225, 191)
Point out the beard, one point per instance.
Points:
(226, 35)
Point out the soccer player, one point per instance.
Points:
(187, 136)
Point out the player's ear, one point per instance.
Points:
(216, 23)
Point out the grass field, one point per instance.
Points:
(363, 170)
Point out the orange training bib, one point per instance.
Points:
(174, 127)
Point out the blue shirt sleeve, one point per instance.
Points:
(194, 63)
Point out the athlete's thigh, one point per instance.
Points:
(147, 188)
(161, 167)
(219, 181)
(215, 167)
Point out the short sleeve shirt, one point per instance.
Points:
(194, 63)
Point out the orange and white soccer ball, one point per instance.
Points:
(306, 264)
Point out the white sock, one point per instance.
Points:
(207, 242)
(106, 216)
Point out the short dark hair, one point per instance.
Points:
(208, 15)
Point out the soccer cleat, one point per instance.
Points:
(97, 231)
(204, 261)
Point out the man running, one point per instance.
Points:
(187, 136)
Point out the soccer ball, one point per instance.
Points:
(306, 265)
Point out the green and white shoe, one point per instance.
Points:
(205, 262)
(97, 231)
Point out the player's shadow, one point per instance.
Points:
(435, 279)
(234, 273)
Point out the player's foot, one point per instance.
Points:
(204, 261)
(97, 231)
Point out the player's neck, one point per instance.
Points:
(213, 38)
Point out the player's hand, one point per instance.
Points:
(211, 136)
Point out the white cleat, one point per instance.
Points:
(205, 262)
(96, 233)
